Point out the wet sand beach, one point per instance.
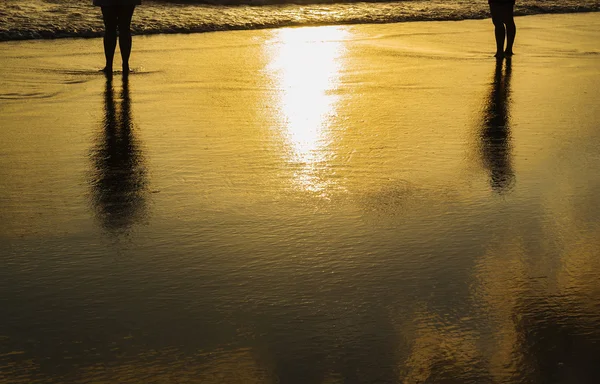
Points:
(342, 204)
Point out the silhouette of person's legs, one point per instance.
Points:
(109, 15)
(499, 32)
(504, 28)
(124, 20)
(511, 32)
(117, 17)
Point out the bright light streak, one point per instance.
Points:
(306, 65)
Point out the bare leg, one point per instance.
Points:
(125, 15)
(499, 32)
(109, 15)
(511, 32)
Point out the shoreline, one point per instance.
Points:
(241, 29)
(206, 18)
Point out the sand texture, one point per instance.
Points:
(361, 203)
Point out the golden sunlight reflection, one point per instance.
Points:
(305, 66)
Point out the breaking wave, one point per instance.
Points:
(48, 19)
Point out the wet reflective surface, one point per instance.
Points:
(495, 133)
(306, 70)
(318, 205)
(118, 178)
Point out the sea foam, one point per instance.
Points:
(40, 19)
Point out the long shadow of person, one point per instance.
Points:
(119, 175)
(495, 138)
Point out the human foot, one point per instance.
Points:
(108, 72)
(499, 55)
(508, 52)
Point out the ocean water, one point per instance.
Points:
(35, 19)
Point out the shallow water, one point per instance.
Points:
(336, 209)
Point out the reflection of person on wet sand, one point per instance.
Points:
(495, 132)
(118, 185)
(504, 25)
(117, 14)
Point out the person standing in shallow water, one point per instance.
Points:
(504, 24)
(117, 16)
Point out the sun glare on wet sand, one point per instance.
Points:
(305, 67)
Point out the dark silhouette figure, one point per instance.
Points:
(117, 15)
(119, 183)
(504, 25)
(495, 133)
